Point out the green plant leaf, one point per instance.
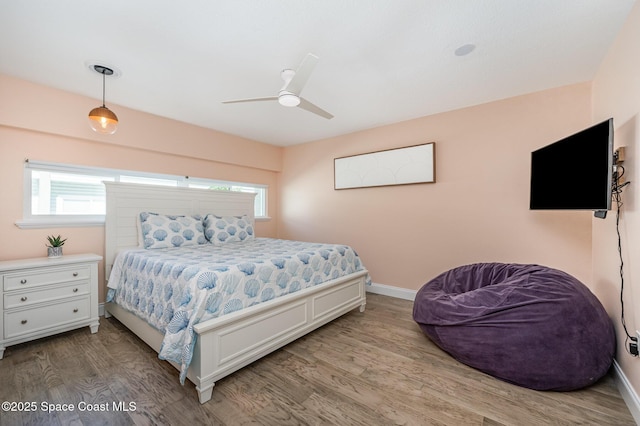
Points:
(55, 241)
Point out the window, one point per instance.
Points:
(68, 195)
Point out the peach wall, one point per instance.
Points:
(66, 138)
(616, 93)
(31, 106)
(476, 211)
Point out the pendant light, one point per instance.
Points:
(102, 119)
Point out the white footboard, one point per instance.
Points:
(232, 341)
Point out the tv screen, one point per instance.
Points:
(574, 173)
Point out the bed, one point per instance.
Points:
(224, 342)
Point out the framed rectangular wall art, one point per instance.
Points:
(398, 166)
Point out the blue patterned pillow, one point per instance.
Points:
(227, 229)
(164, 231)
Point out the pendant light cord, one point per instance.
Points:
(103, 83)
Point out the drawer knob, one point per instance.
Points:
(75, 274)
(23, 281)
(75, 310)
(23, 299)
(23, 322)
(75, 290)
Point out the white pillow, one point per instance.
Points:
(227, 229)
(164, 231)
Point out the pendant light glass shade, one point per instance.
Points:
(102, 119)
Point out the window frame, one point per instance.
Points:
(32, 221)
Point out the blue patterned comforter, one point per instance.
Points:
(173, 289)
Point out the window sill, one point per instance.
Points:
(59, 223)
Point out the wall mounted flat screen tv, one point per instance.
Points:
(574, 173)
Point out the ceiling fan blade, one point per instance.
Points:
(270, 98)
(308, 106)
(302, 74)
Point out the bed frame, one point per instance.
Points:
(232, 341)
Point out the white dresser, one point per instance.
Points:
(44, 296)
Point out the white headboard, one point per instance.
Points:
(125, 201)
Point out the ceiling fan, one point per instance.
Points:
(294, 82)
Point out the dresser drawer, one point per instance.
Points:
(45, 294)
(45, 276)
(19, 322)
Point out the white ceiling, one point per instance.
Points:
(381, 61)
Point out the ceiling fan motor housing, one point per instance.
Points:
(288, 99)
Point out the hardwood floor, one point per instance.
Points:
(371, 368)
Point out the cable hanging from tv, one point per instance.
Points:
(616, 191)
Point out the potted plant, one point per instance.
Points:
(54, 248)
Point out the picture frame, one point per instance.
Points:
(397, 166)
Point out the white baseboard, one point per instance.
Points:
(627, 392)
(101, 309)
(389, 290)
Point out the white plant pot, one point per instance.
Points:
(54, 251)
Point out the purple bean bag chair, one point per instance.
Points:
(529, 325)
